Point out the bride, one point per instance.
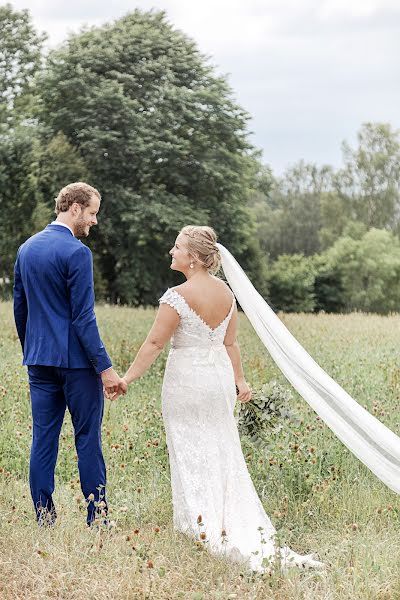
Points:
(212, 492)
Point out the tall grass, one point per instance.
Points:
(318, 495)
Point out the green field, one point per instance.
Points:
(318, 495)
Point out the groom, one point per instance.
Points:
(67, 362)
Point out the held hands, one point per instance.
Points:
(113, 384)
(243, 391)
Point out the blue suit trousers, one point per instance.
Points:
(53, 389)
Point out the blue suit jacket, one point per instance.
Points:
(54, 302)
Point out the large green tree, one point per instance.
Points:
(18, 195)
(162, 139)
(20, 59)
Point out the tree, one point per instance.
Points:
(163, 140)
(20, 60)
(59, 163)
(289, 218)
(370, 180)
(335, 215)
(18, 193)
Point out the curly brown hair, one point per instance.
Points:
(79, 192)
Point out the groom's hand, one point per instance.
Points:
(123, 387)
(113, 384)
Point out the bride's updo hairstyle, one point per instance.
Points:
(202, 245)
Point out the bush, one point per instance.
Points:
(367, 271)
(291, 283)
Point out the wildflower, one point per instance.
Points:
(203, 536)
(150, 564)
(199, 519)
(156, 529)
(136, 531)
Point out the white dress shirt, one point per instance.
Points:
(63, 224)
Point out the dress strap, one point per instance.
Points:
(174, 300)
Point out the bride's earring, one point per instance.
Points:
(191, 265)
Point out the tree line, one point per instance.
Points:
(133, 108)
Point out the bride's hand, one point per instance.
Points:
(244, 390)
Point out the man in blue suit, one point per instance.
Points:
(67, 362)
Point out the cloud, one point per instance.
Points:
(356, 9)
(308, 72)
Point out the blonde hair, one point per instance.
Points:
(79, 192)
(202, 245)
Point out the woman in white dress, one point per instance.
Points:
(212, 491)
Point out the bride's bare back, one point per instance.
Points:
(209, 297)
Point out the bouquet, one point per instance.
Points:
(266, 412)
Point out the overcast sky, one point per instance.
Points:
(309, 72)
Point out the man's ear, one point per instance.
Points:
(75, 209)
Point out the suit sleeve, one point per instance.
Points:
(20, 304)
(81, 295)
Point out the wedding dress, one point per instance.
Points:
(213, 496)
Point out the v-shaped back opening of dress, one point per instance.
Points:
(227, 318)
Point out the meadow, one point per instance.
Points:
(318, 495)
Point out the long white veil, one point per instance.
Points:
(371, 441)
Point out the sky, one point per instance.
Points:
(309, 72)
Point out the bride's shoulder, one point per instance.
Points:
(179, 288)
(184, 289)
(222, 287)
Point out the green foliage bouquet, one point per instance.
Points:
(266, 412)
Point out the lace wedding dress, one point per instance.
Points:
(212, 491)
